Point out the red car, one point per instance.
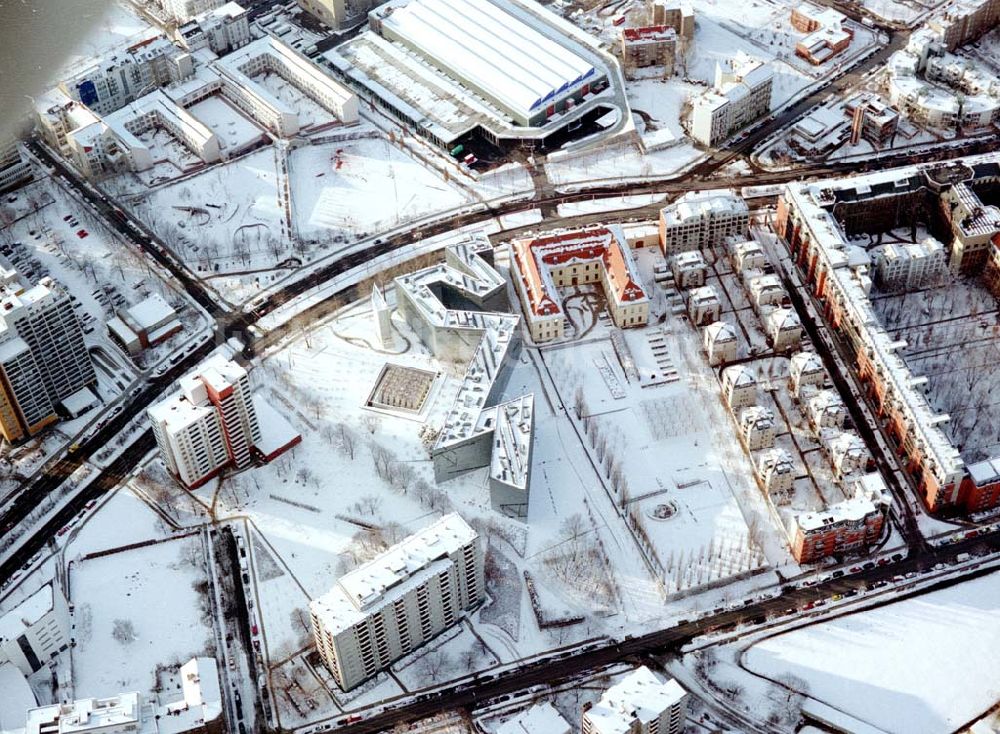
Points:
(81, 233)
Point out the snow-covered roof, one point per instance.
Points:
(703, 205)
(379, 581)
(641, 695)
(850, 510)
(534, 257)
(152, 312)
(86, 715)
(80, 401)
(739, 375)
(275, 430)
(720, 331)
(19, 619)
(501, 54)
(804, 363)
(16, 699)
(541, 718)
(200, 703)
(783, 319)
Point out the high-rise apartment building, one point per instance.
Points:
(640, 703)
(43, 358)
(209, 425)
(396, 602)
(14, 167)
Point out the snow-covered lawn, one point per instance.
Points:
(135, 611)
(363, 187)
(226, 218)
(921, 666)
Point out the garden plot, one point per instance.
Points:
(903, 667)
(362, 187)
(120, 641)
(953, 338)
(228, 218)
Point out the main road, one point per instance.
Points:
(564, 666)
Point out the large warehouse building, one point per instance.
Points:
(508, 70)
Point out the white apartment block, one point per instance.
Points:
(826, 409)
(906, 266)
(36, 630)
(117, 79)
(784, 330)
(739, 385)
(741, 95)
(43, 358)
(746, 254)
(701, 219)
(14, 166)
(184, 10)
(689, 269)
(220, 30)
(337, 13)
(704, 305)
(806, 368)
(209, 425)
(198, 709)
(765, 290)
(757, 427)
(269, 55)
(125, 713)
(720, 343)
(640, 703)
(113, 143)
(393, 604)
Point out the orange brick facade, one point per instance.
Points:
(964, 495)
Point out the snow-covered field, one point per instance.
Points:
(363, 187)
(921, 666)
(47, 232)
(137, 610)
